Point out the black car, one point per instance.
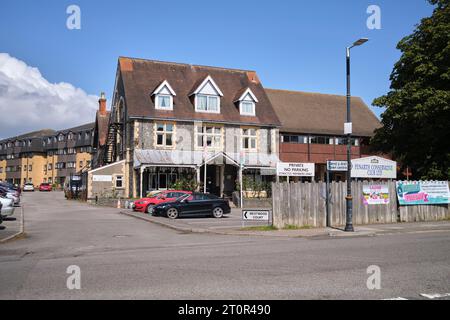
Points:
(196, 204)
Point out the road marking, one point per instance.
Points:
(398, 298)
(435, 295)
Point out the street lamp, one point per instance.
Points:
(348, 132)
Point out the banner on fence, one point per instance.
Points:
(374, 167)
(422, 192)
(376, 194)
(295, 169)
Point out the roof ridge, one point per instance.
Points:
(187, 64)
(306, 92)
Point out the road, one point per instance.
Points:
(121, 257)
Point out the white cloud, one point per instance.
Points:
(29, 102)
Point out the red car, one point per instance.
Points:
(45, 187)
(145, 204)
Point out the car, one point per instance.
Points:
(195, 204)
(145, 204)
(1, 217)
(11, 186)
(28, 187)
(7, 208)
(45, 187)
(11, 194)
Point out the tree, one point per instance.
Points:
(416, 124)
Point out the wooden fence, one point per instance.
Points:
(304, 204)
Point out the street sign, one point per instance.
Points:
(256, 215)
(337, 166)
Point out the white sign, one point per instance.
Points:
(101, 178)
(374, 167)
(255, 215)
(337, 166)
(295, 169)
(348, 128)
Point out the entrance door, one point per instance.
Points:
(213, 180)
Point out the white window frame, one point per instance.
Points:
(250, 137)
(157, 105)
(164, 133)
(253, 113)
(208, 98)
(217, 132)
(119, 177)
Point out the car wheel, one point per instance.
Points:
(218, 212)
(148, 209)
(172, 213)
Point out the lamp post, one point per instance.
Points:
(348, 132)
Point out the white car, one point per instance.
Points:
(7, 207)
(28, 187)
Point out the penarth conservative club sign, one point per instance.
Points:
(375, 168)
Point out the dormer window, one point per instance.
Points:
(247, 102)
(207, 96)
(164, 96)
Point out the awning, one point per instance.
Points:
(197, 158)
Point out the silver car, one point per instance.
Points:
(7, 207)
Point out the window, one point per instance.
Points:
(340, 141)
(49, 180)
(119, 181)
(163, 101)
(29, 143)
(81, 163)
(164, 134)
(249, 139)
(61, 137)
(50, 166)
(30, 168)
(320, 140)
(208, 136)
(295, 139)
(247, 108)
(88, 163)
(207, 103)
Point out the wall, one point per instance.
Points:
(107, 189)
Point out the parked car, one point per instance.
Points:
(145, 204)
(1, 216)
(45, 187)
(11, 186)
(11, 194)
(195, 204)
(28, 187)
(7, 208)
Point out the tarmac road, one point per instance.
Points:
(121, 257)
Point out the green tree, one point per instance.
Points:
(416, 123)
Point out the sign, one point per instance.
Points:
(374, 167)
(348, 128)
(422, 192)
(295, 169)
(256, 215)
(376, 194)
(101, 178)
(337, 166)
(268, 171)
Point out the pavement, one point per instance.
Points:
(232, 225)
(121, 257)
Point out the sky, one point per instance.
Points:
(51, 76)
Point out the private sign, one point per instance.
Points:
(295, 169)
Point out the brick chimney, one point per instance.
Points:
(102, 104)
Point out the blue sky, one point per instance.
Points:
(295, 45)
